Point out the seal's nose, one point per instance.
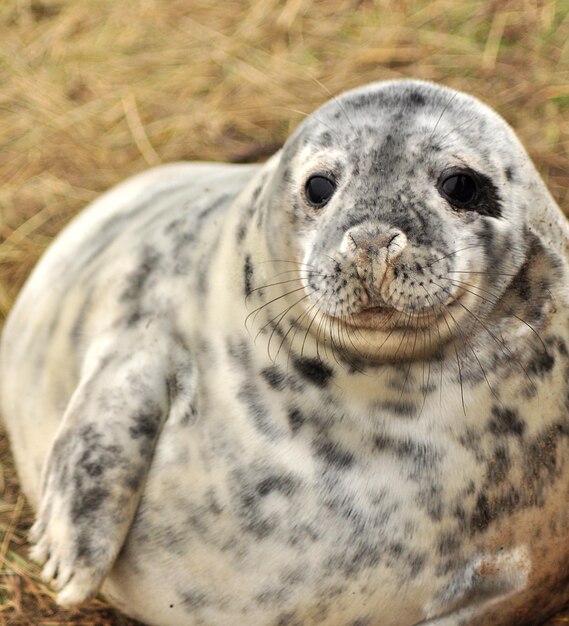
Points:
(374, 249)
(372, 244)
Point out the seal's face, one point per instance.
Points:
(407, 217)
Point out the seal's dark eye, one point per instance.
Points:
(319, 189)
(459, 189)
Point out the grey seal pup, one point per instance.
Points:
(327, 390)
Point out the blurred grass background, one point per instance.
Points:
(92, 92)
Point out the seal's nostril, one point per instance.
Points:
(395, 247)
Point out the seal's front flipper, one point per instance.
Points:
(485, 582)
(97, 466)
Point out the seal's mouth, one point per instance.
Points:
(385, 317)
(388, 317)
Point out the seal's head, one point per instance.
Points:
(407, 205)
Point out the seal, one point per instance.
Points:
(327, 390)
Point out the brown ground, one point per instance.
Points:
(91, 92)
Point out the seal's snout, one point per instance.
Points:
(374, 249)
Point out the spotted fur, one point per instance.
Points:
(229, 406)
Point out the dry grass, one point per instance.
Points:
(92, 92)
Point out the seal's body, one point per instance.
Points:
(327, 390)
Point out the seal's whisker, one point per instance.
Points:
(266, 304)
(468, 344)
(483, 273)
(275, 325)
(294, 326)
(296, 271)
(348, 330)
(441, 360)
(426, 385)
(297, 324)
(339, 346)
(497, 302)
(337, 264)
(315, 305)
(500, 342)
(331, 335)
(404, 336)
(287, 261)
(401, 313)
(462, 126)
(446, 256)
(299, 112)
(336, 100)
(413, 317)
(281, 282)
(344, 349)
(344, 334)
(322, 326)
(443, 311)
(454, 95)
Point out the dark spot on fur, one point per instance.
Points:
(401, 409)
(283, 485)
(541, 461)
(419, 456)
(89, 502)
(542, 363)
(216, 204)
(274, 377)
(241, 232)
(84, 547)
(561, 346)
(134, 318)
(430, 499)
(522, 283)
(314, 371)
(448, 543)
(416, 564)
(240, 353)
(137, 279)
(355, 559)
(332, 454)
(482, 515)
(145, 425)
(97, 458)
(193, 599)
(498, 466)
(491, 507)
(295, 419)
(257, 410)
(288, 619)
(506, 421)
(248, 275)
(416, 98)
